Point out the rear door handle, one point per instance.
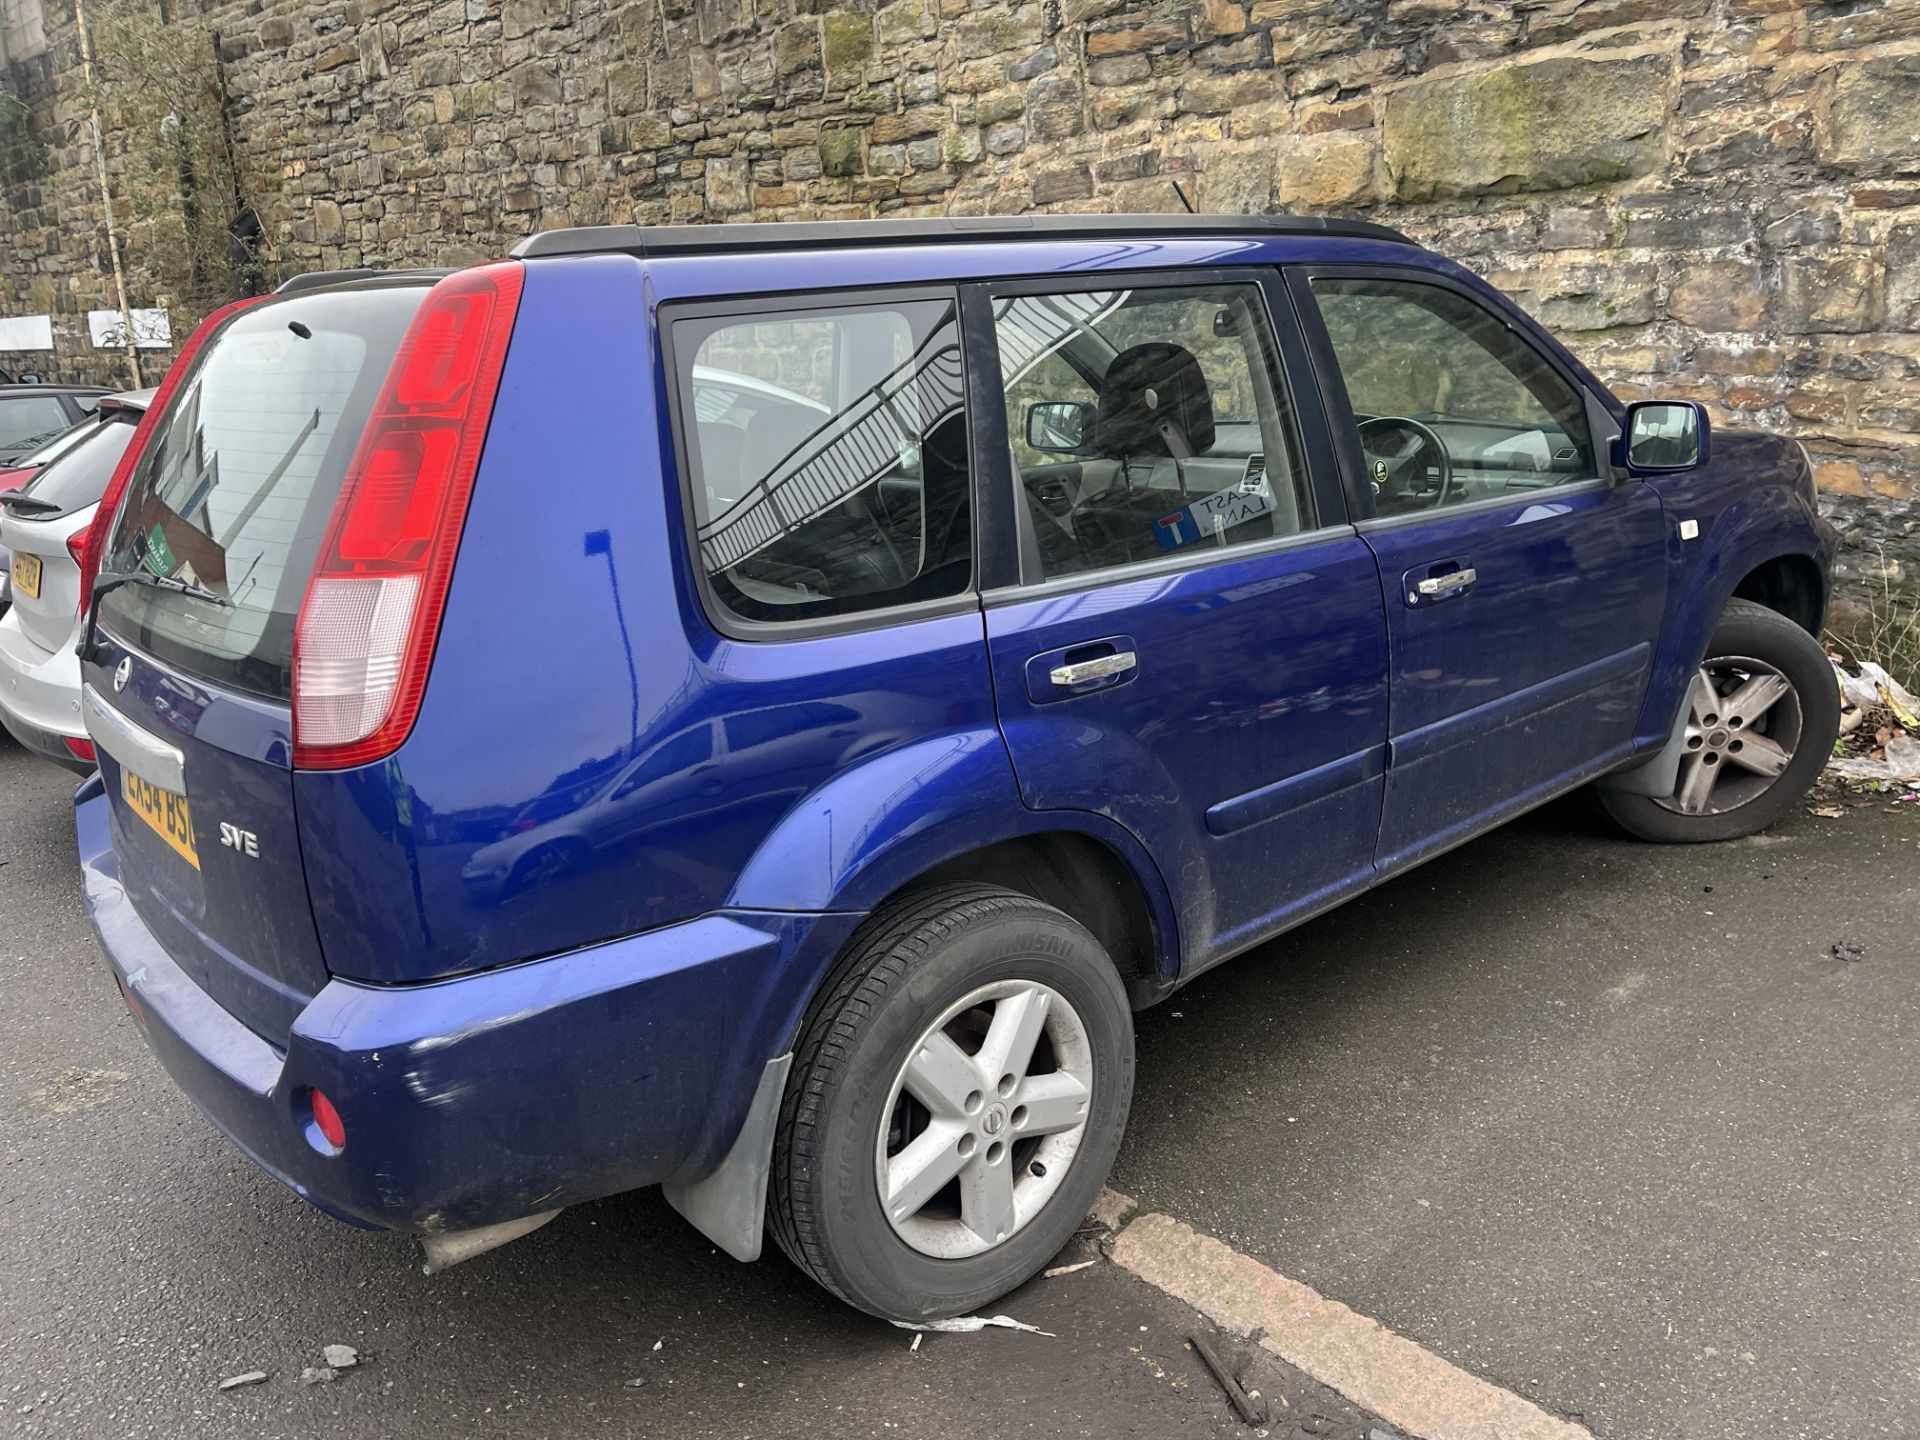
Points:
(1081, 671)
(1446, 584)
(1073, 672)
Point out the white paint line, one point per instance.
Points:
(1403, 1383)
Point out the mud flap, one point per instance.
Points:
(1660, 775)
(729, 1206)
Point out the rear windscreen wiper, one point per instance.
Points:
(114, 579)
(108, 581)
(19, 504)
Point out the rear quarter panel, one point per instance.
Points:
(592, 759)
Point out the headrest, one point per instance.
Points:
(1147, 391)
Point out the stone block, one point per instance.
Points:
(796, 47)
(1220, 94)
(727, 186)
(536, 84)
(1236, 182)
(1873, 125)
(1328, 173)
(1053, 108)
(840, 151)
(1841, 290)
(1549, 125)
(846, 41)
(1071, 182)
(1155, 36)
(1119, 70)
(1719, 295)
(1903, 277)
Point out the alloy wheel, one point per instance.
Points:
(1744, 723)
(984, 1119)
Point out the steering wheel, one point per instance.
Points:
(1399, 450)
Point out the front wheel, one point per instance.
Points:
(1762, 714)
(957, 1098)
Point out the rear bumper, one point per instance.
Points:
(40, 695)
(490, 1097)
(44, 743)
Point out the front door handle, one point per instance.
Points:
(1438, 582)
(1081, 671)
(1448, 583)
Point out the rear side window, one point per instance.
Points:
(237, 483)
(27, 420)
(78, 476)
(826, 454)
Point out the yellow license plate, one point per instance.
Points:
(26, 575)
(165, 811)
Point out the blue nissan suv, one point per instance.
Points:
(753, 709)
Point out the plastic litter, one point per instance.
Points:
(340, 1357)
(973, 1324)
(1067, 1269)
(252, 1377)
(1874, 687)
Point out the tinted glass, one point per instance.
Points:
(79, 476)
(1488, 414)
(28, 420)
(826, 451)
(1165, 424)
(235, 488)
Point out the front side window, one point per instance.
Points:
(827, 456)
(1452, 404)
(1147, 421)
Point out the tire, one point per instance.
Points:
(1719, 795)
(850, 1109)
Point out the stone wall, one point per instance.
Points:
(1711, 198)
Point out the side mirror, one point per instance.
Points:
(1062, 427)
(1666, 435)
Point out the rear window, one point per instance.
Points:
(78, 475)
(826, 452)
(28, 420)
(237, 483)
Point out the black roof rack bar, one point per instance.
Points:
(317, 279)
(650, 240)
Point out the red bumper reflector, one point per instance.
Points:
(328, 1119)
(82, 749)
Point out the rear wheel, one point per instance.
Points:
(1762, 714)
(957, 1098)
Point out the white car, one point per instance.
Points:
(44, 525)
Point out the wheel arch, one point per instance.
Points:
(1790, 584)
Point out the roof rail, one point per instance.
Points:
(317, 279)
(651, 240)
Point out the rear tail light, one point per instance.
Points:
(94, 544)
(367, 627)
(79, 546)
(80, 749)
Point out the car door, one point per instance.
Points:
(1195, 646)
(1523, 583)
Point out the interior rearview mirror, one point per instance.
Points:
(1665, 435)
(1062, 427)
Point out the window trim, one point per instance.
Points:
(1297, 384)
(676, 383)
(1602, 428)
